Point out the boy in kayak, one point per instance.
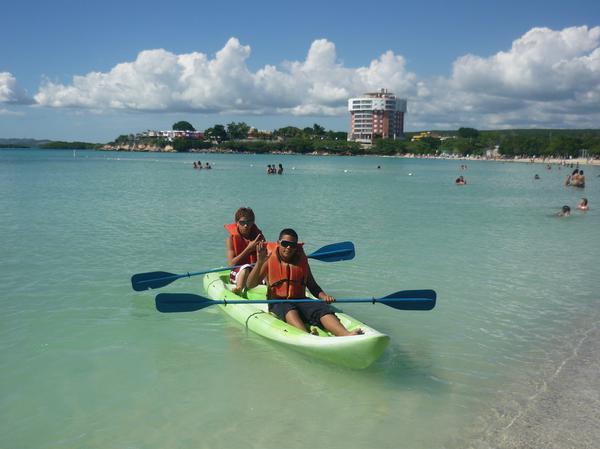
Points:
(241, 246)
(285, 267)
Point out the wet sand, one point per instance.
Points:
(565, 412)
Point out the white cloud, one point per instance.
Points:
(162, 81)
(542, 65)
(10, 91)
(546, 78)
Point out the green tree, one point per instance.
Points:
(388, 146)
(299, 145)
(318, 130)
(307, 132)
(237, 131)
(122, 139)
(456, 146)
(431, 143)
(217, 133)
(468, 133)
(287, 132)
(183, 126)
(565, 146)
(337, 135)
(185, 145)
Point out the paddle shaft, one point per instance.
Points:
(188, 275)
(301, 300)
(216, 270)
(157, 279)
(189, 302)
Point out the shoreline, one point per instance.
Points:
(526, 160)
(537, 160)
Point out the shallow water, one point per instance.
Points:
(87, 362)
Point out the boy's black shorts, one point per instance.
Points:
(310, 312)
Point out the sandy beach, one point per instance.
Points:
(553, 161)
(565, 412)
(538, 160)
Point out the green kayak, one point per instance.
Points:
(357, 351)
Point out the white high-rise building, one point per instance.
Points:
(376, 114)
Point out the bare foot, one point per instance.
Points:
(357, 331)
(237, 291)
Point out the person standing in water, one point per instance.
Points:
(579, 180)
(572, 178)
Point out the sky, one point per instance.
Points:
(72, 70)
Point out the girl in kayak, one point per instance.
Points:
(285, 267)
(244, 235)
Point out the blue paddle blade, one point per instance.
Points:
(181, 302)
(410, 300)
(334, 252)
(154, 279)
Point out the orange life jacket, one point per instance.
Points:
(286, 280)
(240, 243)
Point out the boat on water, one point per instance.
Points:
(357, 351)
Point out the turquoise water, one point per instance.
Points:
(87, 362)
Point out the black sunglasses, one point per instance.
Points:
(287, 243)
(245, 223)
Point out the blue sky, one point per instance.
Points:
(76, 71)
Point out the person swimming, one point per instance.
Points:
(583, 204)
(564, 212)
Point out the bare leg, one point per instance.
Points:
(333, 325)
(240, 281)
(293, 318)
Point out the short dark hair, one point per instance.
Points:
(244, 212)
(290, 232)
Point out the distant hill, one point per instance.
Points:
(22, 143)
(46, 144)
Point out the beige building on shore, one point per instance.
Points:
(376, 115)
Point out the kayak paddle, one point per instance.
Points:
(157, 279)
(402, 300)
